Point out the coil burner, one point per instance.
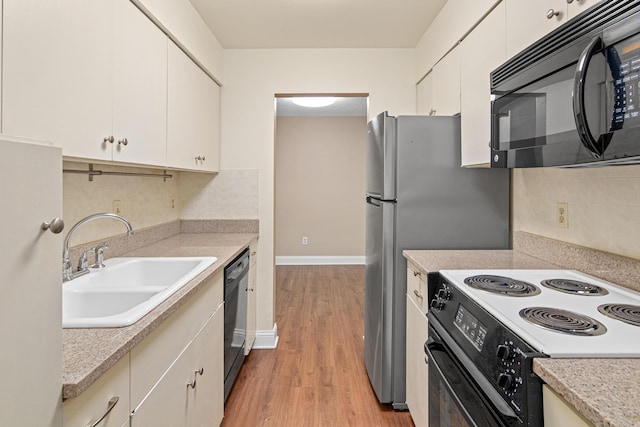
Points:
(563, 321)
(624, 312)
(574, 287)
(502, 285)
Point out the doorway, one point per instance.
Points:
(320, 179)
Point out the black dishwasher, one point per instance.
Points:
(236, 281)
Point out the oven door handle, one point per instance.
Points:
(579, 108)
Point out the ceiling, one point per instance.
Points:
(264, 24)
(343, 107)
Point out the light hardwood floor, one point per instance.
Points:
(316, 376)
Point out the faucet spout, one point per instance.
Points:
(67, 273)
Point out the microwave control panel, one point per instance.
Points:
(624, 63)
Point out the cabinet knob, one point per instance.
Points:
(123, 141)
(432, 112)
(551, 13)
(108, 139)
(55, 226)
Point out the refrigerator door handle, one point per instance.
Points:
(374, 202)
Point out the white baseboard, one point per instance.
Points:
(266, 339)
(320, 260)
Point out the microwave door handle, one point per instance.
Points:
(578, 96)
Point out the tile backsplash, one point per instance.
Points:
(147, 201)
(603, 206)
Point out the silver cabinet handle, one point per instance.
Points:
(112, 403)
(55, 226)
(417, 294)
(123, 141)
(551, 13)
(201, 158)
(108, 139)
(416, 273)
(432, 112)
(193, 384)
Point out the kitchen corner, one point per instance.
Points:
(603, 391)
(89, 353)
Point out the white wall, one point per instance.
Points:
(253, 77)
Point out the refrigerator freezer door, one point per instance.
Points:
(378, 311)
(381, 157)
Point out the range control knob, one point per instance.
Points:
(437, 304)
(444, 294)
(504, 381)
(503, 351)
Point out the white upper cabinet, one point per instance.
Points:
(93, 77)
(446, 84)
(57, 82)
(140, 88)
(481, 52)
(528, 21)
(424, 95)
(193, 121)
(439, 92)
(451, 24)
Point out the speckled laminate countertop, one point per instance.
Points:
(89, 353)
(604, 391)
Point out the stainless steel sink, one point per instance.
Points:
(125, 290)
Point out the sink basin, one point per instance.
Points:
(125, 290)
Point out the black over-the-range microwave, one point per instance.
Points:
(573, 97)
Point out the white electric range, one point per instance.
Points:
(560, 313)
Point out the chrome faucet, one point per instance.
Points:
(67, 269)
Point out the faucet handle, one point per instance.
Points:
(99, 251)
(83, 262)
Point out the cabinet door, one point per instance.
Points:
(558, 412)
(417, 374)
(193, 118)
(208, 354)
(424, 104)
(140, 87)
(30, 282)
(184, 396)
(481, 52)
(576, 7)
(57, 81)
(446, 84)
(527, 21)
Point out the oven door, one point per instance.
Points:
(455, 399)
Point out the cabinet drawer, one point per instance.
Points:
(150, 358)
(94, 401)
(417, 287)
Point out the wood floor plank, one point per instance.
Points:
(316, 377)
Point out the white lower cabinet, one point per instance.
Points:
(417, 369)
(95, 401)
(190, 393)
(558, 412)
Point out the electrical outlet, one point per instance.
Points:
(172, 202)
(562, 215)
(305, 240)
(116, 207)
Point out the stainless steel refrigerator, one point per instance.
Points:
(418, 197)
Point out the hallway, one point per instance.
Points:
(316, 377)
